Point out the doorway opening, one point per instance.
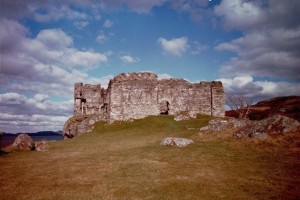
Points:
(164, 107)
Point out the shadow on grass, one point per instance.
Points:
(3, 152)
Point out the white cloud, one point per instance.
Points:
(46, 66)
(269, 46)
(20, 113)
(137, 5)
(271, 53)
(54, 39)
(258, 90)
(44, 11)
(108, 23)
(86, 58)
(14, 103)
(164, 76)
(58, 12)
(34, 123)
(81, 24)
(240, 13)
(195, 8)
(198, 48)
(175, 46)
(104, 80)
(128, 59)
(101, 38)
(51, 50)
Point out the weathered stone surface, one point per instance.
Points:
(276, 124)
(261, 129)
(41, 146)
(220, 124)
(179, 142)
(137, 95)
(79, 124)
(23, 142)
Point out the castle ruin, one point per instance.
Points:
(137, 95)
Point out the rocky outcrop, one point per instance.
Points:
(219, 124)
(23, 142)
(287, 106)
(79, 124)
(179, 142)
(276, 124)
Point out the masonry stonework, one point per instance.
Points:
(137, 95)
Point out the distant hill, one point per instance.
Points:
(288, 106)
(40, 133)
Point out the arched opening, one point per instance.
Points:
(164, 107)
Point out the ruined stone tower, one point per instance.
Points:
(137, 95)
(88, 99)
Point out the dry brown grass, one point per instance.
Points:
(125, 161)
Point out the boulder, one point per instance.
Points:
(179, 142)
(41, 146)
(79, 124)
(23, 143)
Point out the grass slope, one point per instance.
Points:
(126, 161)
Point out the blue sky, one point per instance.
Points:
(253, 47)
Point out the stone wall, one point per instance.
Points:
(133, 96)
(88, 99)
(218, 99)
(137, 95)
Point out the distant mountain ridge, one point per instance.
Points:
(39, 133)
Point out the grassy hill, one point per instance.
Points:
(125, 161)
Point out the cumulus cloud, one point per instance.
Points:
(49, 57)
(175, 46)
(14, 103)
(195, 8)
(34, 123)
(101, 38)
(20, 113)
(46, 65)
(135, 5)
(257, 14)
(45, 11)
(258, 90)
(108, 23)
(57, 12)
(270, 44)
(240, 14)
(128, 59)
(81, 24)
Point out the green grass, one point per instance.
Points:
(125, 161)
